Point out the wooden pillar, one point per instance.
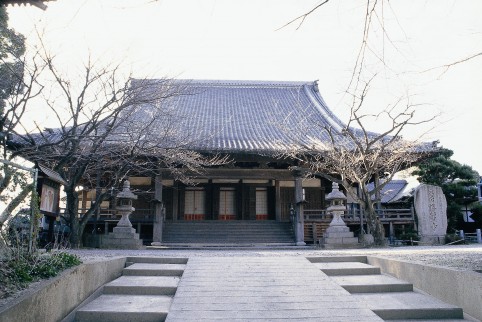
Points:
(251, 202)
(239, 199)
(300, 222)
(158, 211)
(208, 200)
(175, 201)
(277, 200)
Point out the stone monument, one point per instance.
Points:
(431, 209)
(337, 235)
(124, 236)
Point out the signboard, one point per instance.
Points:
(49, 199)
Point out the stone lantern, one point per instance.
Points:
(337, 206)
(337, 235)
(124, 235)
(124, 205)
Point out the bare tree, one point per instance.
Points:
(374, 12)
(18, 85)
(107, 126)
(351, 155)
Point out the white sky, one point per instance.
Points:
(238, 39)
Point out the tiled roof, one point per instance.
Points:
(37, 3)
(251, 116)
(259, 117)
(51, 174)
(392, 191)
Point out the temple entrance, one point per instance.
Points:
(227, 204)
(195, 204)
(262, 204)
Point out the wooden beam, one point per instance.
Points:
(268, 174)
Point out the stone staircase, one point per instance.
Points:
(226, 233)
(388, 297)
(143, 293)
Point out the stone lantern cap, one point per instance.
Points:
(335, 193)
(126, 192)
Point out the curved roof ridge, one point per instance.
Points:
(315, 97)
(248, 83)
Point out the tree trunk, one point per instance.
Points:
(14, 204)
(374, 226)
(71, 212)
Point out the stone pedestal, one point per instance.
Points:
(338, 235)
(122, 238)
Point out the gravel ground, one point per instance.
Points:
(464, 257)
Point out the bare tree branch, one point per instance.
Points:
(446, 67)
(352, 155)
(302, 17)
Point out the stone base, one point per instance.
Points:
(341, 240)
(122, 238)
(432, 240)
(338, 236)
(346, 234)
(341, 246)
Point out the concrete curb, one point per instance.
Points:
(459, 288)
(62, 294)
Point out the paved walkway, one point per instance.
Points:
(262, 289)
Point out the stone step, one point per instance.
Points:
(223, 245)
(387, 296)
(143, 285)
(186, 231)
(408, 305)
(247, 234)
(227, 222)
(125, 308)
(347, 268)
(143, 293)
(372, 283)
(232, 226)
(203, 225)
(220, 240)
(245, 237)
(424, 320)
(336, 259)
(222, 229)
(221, 232)
(157, 260)
(149, 269)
